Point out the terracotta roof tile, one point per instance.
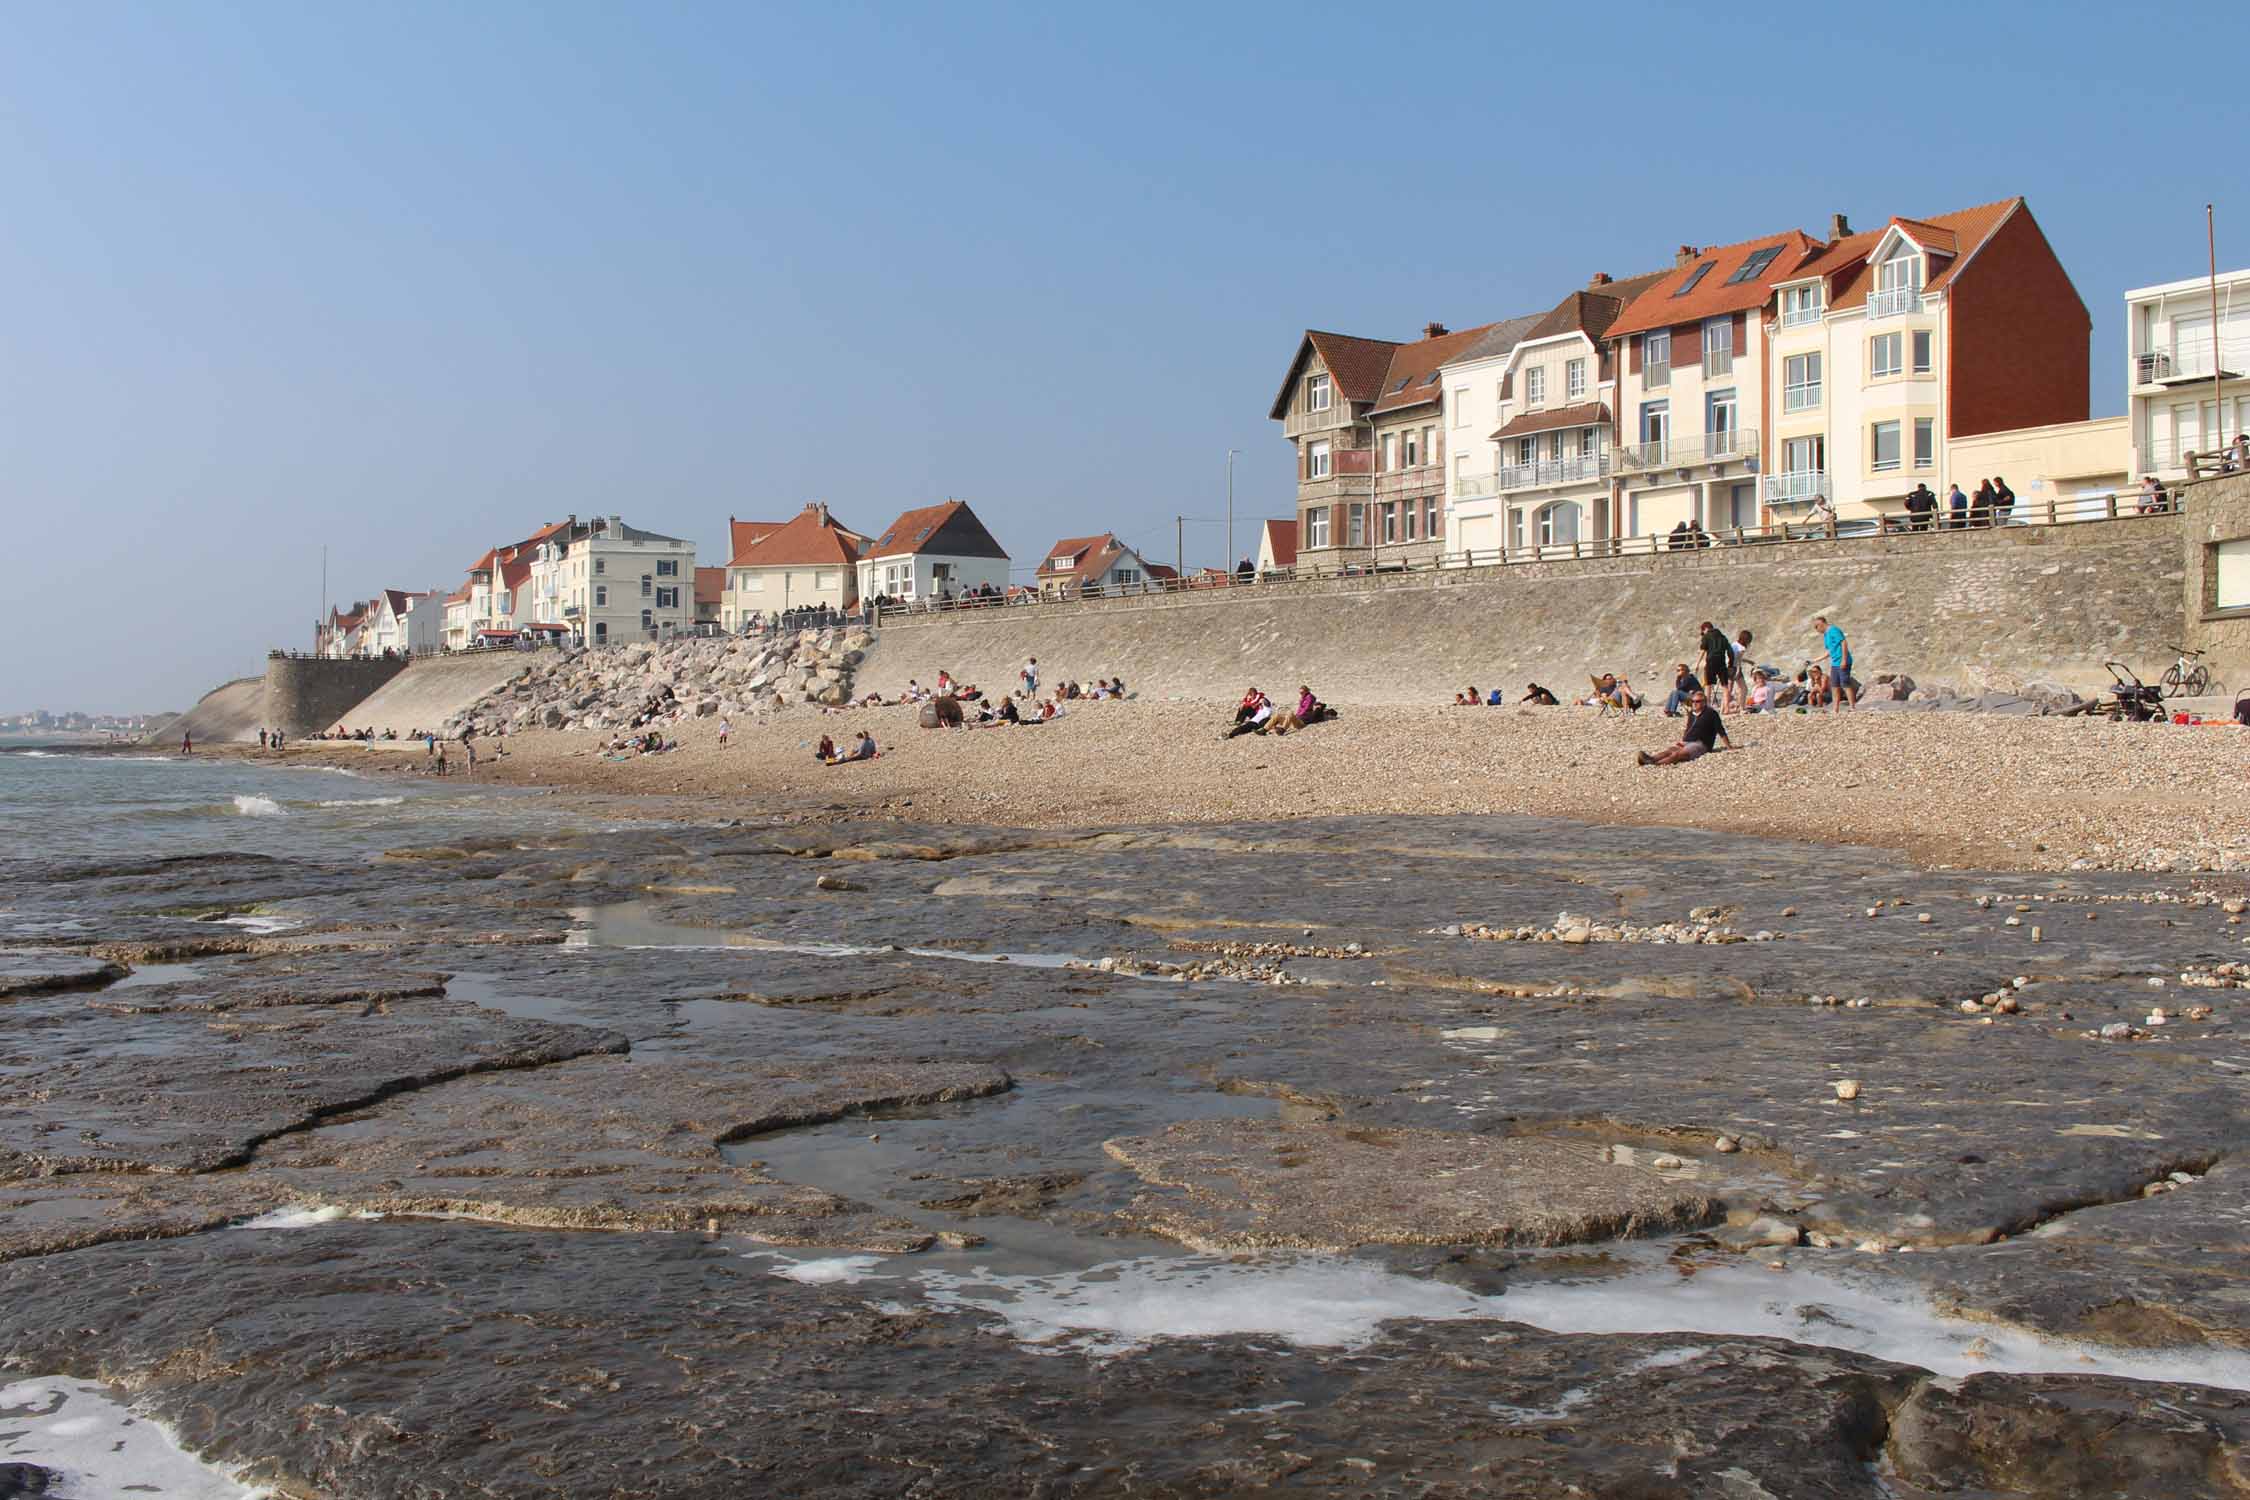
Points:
(1084, 552)
(1682, 295)
(1412, 378)
(1281, 541)
(1966, 228)
(710, 584)
(812, 540)
(742, 534)
(922, 529)
(1592, 414)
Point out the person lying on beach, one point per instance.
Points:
(1539, 695)
(1704, 734)
(1252, 717)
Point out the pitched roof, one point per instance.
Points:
(1412, 379)
(742, 534)
(1493, 340)
(1837, 256)
(1281, 541)
(459, 595)
(1955, 237)
(515, 568)
(397, 599)
(810, 540)
(710, 584)
(948, 529)
(1704, 285)
(1356, 365)
(1592, 413)
(1092, 556)
(1591, 310)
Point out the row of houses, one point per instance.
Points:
(1732, 388)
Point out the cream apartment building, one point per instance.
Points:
(809, 562)
(607, 582)
(2173, 406)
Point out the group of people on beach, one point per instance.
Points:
(1257, 714)
(863, 749)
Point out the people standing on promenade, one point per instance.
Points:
(1980, 509)
(1921, 504)
(1823, 517)
(2152, 495)
(2003, 501)
(1839, 649)
(1957, 509)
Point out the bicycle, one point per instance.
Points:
(2187, 677)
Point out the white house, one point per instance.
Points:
(2173, 405)
(406, 624)
(604, 582)
(1094, 563)
(934, 552)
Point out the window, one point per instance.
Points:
(1316, 460)
(1922, 352)
(601, 565)
(1574, 380)
(1805, 455)
(1461, 407)
(1656, 423)
(1430, 526)
(1429, 445)
(1127, 575)
(601, 595)
(1316, 527)
(601, 631)
(1411, 447)
(1694, 276)
(1884, 447)
(1390, 522)
(1356, 526)
(1755, 266)
(667, 567)
(1656, 358)
(753, 583)
(1409, 512)
(1718, 346)
(1515, 529)
(2229, 569)
(1390, 451)
(1883, 354)
(1898, 283)
(668, 598)
(1460, 468)
(1800, 382)
(1801, 305)
(1925, 442)
(1527, 449)
(648, 585)
(1534, 386)
(648, 620)
(1718, 420)
(1558, 524)
(1318, 393)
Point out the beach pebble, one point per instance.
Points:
(1847, 1088)
(1667, 1163)
(2012, 922)
(1726, 1145)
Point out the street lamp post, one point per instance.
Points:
(1228, 560)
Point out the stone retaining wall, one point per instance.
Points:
(307, 694)
(1999, 607)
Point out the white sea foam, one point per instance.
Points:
(99, 1449)
(251, 806)
(304, 1218)
(362, 802)
(252, 922)
(838, 1268)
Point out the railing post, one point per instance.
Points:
(2113, 505)
(2050, 508)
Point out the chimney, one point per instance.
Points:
(1434, 330)
(1838, 227)
(1683, 255)
(1600, 278)
(824, 513)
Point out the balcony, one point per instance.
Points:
(1476, 486)
(1680, 453)
(1335, 414)
(1795, 489)
(1801, 317)
(1549, 471)
(2190, 359)
(1896, 302)
(1655, 377)
(1800, 398)
(1423, 479)
(1717, 362)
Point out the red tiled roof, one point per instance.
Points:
(459, 595)
(743, 535)
(1837, 256)
(917, 530)
(515, 569)
(1084, 552)
(1712, 293)
(1412, 378)
(710, 583)
(1954, 237)
(397, 599)
(1281, 541)
(1356, 365)
(1592, 414)
(811, 540)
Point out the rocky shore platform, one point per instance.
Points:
(1360, 1156)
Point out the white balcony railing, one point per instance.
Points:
(1796, 489)
(1421, 479)
(2190, 359)
(1718, 362)
(1801, 317)
(1895, 302)
(1800, 397)
(1709, 448)
(1656, 376)
(1545, 471)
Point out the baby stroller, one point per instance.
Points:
(2133, 701)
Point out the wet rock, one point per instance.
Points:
(31, 971)
(24, 1479)
(1239, 1185)
(2039, 1435)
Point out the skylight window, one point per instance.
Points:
(1401, 385)
(1756, 264)
(1432, 379)
(1694, 276)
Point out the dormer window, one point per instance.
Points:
(1534, 386)
(1801, 305)
(1898, 282)
(1319, 394)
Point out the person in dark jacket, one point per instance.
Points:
(2003, 501)
(1980, 509)
(1718, 659)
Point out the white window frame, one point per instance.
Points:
(1320, 460)
(1891, 344)
(1535, 386)
(1410, 449)
(1800, 388)
(1923, 347)
(1574, 379)
(1390, 451)
(1656, 358)
(1320, 393)
(1875, 447)
(1390, 522)
(1461, 407)
(1718, 346)
(1316, 526)
(1801, 305)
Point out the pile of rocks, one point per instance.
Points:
(627, 687)
(1705, 924)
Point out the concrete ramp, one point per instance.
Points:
(433, 689)
(230, 712)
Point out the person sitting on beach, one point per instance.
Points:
(864, 750)
(1683, 683)
(1540, 696)
(1309, 710)
(944, 682)
(1494, 699)
(1611, 691)
(825, 751)
(1117, 687)
(1759, 698)
(1468, 699)
(1704, 734)
(1252, 717)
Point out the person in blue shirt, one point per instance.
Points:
(1958, 504)
(1493, 699)
(1843, 691)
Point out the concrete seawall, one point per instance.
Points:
(2046, 603)
(435, 688)
(307, 694)
(230, 712)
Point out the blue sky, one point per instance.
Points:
(408, 280)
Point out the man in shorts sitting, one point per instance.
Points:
(1703, 735)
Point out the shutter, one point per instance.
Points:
(1741, 334)
(1633, 354)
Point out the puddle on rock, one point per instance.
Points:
(148, 974)
(629, 925)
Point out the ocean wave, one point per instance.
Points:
(257, 807)
(362, 802)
